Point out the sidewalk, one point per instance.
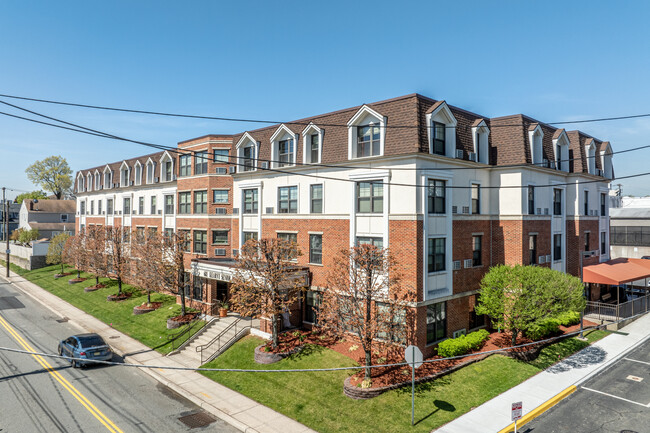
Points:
(237, 410)
(494, 415)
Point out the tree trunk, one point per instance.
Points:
(514, 337)
(119, 285)
(181, 289)
(149, 297)
(368, 363)
(62, 268)
(97, 280)
(274, 330)
(78, 274)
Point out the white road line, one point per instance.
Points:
(614, 396)
(636, 360)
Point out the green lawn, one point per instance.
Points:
(317, 400)
(150, 329)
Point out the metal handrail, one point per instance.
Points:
(217, 339)
(188, 327)
(617, 311)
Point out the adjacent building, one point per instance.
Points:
(49, 217)
(450, 192)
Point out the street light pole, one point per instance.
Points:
(6, 227)
(583, 254)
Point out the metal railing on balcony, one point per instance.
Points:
(614, 312)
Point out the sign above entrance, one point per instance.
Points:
(216, 275)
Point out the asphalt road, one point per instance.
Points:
(617, 400)
(48, 395)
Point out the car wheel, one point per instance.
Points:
(75, 364)
(60, 351)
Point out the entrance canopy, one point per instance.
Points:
(616, 272)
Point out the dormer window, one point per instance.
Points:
(366, 134)
(248, 155)
(167, 164)
(480, 134)
(535, 136)
(138, 173)
(124, 175)
(150, 171)
(606, 161)
(312, 138)
(108, 178)
(97, 180)
(441, 129)
(590, 152)
(561, 149)
(247, 150)
(89, 182)
(80, 183)
(283, 150)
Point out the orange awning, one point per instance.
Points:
(617, 271)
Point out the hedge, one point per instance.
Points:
(463, 344)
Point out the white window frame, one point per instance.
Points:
(283, 133)
(480, 136)
(442, 114)
(166, 157)
(108, 176)
(151, 171)
(124, 168)
(137, 176)
(561, 160)
(89, 182)
(535, 138)
(606, 160)
(245, 141)
(590, 153)
(98, 180)
(310, 130)
(364, 117)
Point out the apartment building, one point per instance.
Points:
(450, 192)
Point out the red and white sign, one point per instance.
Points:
(516, 411)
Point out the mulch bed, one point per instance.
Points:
(176, 321)
(383, 354)
(116, 298)
(76, 280)
(95, 287)
(146, 308)
(65, 274)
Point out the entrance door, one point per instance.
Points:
(222, 290)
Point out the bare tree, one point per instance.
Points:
(147, 262)
(117, 253)
(96, 248)
(265, 282)
(172, 269)
(74, 253)
(365, 297)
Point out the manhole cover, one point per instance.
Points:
(634, 378)
(65, 319)
(195, 420)
(628, 431)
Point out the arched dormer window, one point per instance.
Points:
(535, 136)
(125, 171)
(480, 134)
(137, 173)
(441, 130)
(167, 167)
(590, 153)
(283, 147)
(108, 178)
(150, 168)
(80, 183)
(247, 151)
(89, 182)
(366, 133)
(606, 160)
(98, 180)
(561, 150)
(312, 144)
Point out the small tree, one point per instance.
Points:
(265, 282)
(146, 262)
(40, 195)
(55, 250)
(365, 297)
(52, 174)
(26, 237)
(97, 259)
(517, 297)
(172, 269)
(75, 253)
(116, 251)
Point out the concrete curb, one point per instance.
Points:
(540, 409)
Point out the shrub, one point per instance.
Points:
(569, 318)
(543, 328)
(27, 236)
(463, 344)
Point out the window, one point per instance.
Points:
(603, 205)
(169, 204)
(168, 170)
(370, 197)
(185, 162)
(558, 157)
(169, 234)
(316, 198)
(288, 199)
(285, 152)
(587, 241)
(139, 235)
(289, 237)
(220, 237)
(475, 320)
(108, 180)
(201, 162)
(82, 208)
(312, 302)
(138, 174)
(313, 148)
(436, 322)
(141, 205)
(557, 247)
(250, 201)
(586, 203)
(99, 207)
(221, 155)
(149, 172)
(396, 318)
(64, 217)
(220, 196)
(377, 242)
(557, 202)
(439, 137)
(532, 249)
(531, 200)
(200, 202)
(603, 243)
(184, 202)
(185, 239)
(476, 198)
(153, 205)
(127, 206)
(250, 235)
(368, 141)
(197, 288)
(125, 177)
(200, 241)
(249, 158)
(92, 207)
(109, 206)
(476, 250)
(316, 249)
(437, 196)
(436, 257)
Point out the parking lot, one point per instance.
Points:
(617, 400)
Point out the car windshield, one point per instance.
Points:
(91, 341)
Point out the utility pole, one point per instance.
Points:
(6, 205)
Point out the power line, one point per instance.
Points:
(234, 119)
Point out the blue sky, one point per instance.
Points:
(551, 60)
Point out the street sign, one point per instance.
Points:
(516, 411)
(413, 356)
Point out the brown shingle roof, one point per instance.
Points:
(52, 206)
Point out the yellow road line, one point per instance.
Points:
(64, 382)
(540, 409)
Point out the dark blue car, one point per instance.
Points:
(86, 347)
